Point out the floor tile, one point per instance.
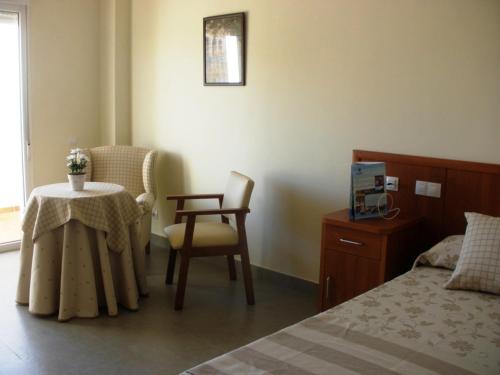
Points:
(154, 340)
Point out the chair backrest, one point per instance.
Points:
(131, 167)
(237, 194)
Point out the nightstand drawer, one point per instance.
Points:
(359, 255)
(353, 242)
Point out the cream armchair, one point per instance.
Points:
(131, 167)
(197, 239)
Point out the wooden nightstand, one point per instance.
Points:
(357, 256)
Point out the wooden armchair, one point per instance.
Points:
(227, 237)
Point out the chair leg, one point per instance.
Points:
(181, 284)
(148, 248)
(169, 279)
(232, 267)
(247, 276)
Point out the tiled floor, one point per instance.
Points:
(154, 340)
(10, 229)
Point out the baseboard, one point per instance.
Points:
(259, 273)
(283, 280)
(159, 241)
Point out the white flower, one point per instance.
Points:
(76, 161)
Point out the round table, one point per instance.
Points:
(81, 250)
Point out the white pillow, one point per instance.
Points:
(444, 254)
(478, 266)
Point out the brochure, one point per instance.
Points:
(368, 198)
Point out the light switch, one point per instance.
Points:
(421, 188)
(428, 189)
(433, 190)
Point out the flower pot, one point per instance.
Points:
(76, 181)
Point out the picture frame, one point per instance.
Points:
(224, 47)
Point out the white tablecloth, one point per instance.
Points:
(81, 250)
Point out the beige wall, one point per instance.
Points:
(324, 77)
(79, 80)
(115, 72)
(63, 63)
(107, 72)
(122, 71)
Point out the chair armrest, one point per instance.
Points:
(194, 196)
(223, 211)
(146, 200)
(182, 198)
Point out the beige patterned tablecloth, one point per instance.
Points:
(81, 250)
(103, 206)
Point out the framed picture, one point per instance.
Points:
(224, 50)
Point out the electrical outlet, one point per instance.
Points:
(391, 183)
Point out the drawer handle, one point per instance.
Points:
(351, 242)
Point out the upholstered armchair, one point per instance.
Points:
(131, 167)
(225, 238)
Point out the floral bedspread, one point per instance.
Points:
(410, 325)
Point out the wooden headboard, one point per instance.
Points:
(465, 187)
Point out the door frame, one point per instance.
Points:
(21, 8)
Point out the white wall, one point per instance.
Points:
(324, 77)
(64, 83)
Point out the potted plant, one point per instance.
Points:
(76, 162)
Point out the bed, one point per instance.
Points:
(411, 324)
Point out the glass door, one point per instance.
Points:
(13, 123)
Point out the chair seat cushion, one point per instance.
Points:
(205, 234)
